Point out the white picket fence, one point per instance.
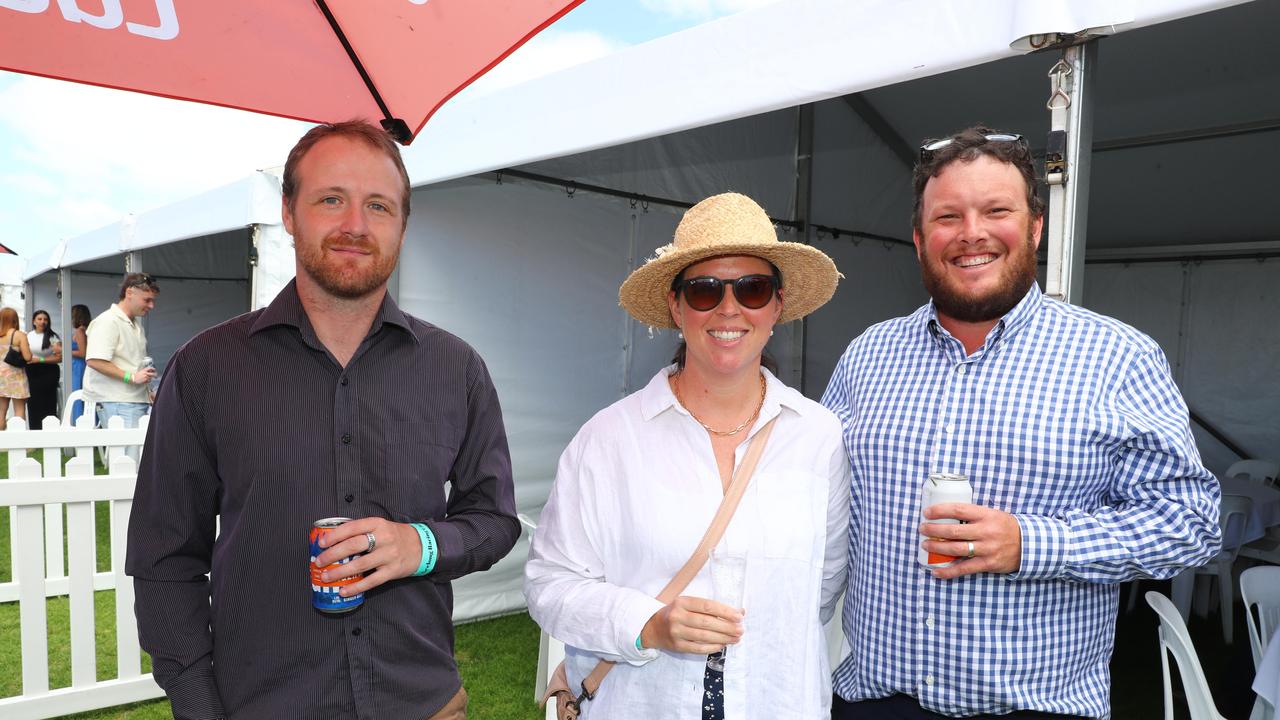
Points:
(36, 495)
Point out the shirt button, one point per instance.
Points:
(344, 382)
(346, 438)
(928, 622)
(959, 371)
(356, 632)
(349, 498)
(950, 428)
(928, 679)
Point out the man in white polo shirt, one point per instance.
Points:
(115, 378)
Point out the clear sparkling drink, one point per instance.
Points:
(942, 488)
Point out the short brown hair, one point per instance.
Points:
(374, 137)
(966, 146)
(145, 281)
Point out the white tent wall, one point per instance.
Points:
(203, 281)
(576, 351)
(1224, 359)
(754, 156)
(12, 287)
(11, 296)
(529, 278)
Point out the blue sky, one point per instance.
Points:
(74, 158)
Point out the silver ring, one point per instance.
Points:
(966, 556)
(373, 543)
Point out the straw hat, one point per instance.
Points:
(729, 224)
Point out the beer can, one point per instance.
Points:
(324, 595)
(942, 488)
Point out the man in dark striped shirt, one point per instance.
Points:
(329, 402)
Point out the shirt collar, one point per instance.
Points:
(115, 309)
(1018, 316)
(286, 309)
(657, 397)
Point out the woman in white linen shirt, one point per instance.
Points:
(637, 488)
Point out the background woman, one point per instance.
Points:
(42, 372)
(80, 319)
(638, 486)
(13, 380)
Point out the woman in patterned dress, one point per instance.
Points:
(13, 380)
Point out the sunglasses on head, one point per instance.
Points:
(145, 280)
(705, 293)
(928, 149)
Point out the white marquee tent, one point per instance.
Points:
(814, 108)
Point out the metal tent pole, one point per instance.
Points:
(803, 209)
(1067, 166)
(64, 322)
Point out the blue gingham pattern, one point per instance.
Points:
(1065, 418)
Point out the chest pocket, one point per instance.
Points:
(790, 508)
(416, 464)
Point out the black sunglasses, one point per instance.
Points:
(705, 293)
(929, 148)
(145, 280)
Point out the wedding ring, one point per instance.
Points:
(966, 556)
(373, 543)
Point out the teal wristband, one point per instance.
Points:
(428, 539)
(638, 645)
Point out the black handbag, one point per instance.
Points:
(14, 356)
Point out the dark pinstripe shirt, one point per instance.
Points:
(256, 425)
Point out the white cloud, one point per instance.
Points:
(28, 183)
(702, 9)
(544, 54)
(108, 152)
(84, 133)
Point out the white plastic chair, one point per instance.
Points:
(550, 650)
(70, 403)
(1265, 472)
(1174, 640)
(1261, 471)
(1260, 591)
(1233, 517)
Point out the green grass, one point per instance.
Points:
(497, 659)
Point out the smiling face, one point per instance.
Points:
(978, 239)
(346, 218)
(728, 338)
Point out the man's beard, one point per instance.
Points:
(1017, 279)
(341, 279)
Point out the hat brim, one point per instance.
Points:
(809, 279)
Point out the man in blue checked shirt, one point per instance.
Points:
(1073, 436)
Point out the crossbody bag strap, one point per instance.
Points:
(737, 486)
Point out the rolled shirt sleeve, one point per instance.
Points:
(565, 584)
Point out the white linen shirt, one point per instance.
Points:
(634, 494)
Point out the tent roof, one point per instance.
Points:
(254, 199)
(778, 56)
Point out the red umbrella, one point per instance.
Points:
(313, 60)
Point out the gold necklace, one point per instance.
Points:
(675, 383)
